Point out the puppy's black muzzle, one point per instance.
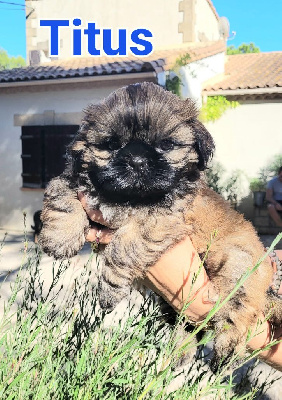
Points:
(138, 174)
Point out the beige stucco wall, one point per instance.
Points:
(246, 138)
(161, 17)
(14, 200)
(172, 22)
(206, 23)
(196, 73)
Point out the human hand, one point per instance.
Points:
(171, 277)
(278, 207)
(178, 278)
(102, 231)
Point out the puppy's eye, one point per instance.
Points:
(113, 145)
(109, 145)
(166, 145)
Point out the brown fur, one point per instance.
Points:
(116, 129)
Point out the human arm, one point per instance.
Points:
(269, 196)
(270, 199)
(168, 278)
(171, 277)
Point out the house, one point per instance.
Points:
(248, 136)
(41, 105)
(172, 22)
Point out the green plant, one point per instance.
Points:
(257, 185)
(7, 62)
(229, 185)
(214, 176)
(173, 84)
(173, 79)
(182, 61)
(243, 49)
(266, 173)
(215, 107)
(271, 168)
(65, 350)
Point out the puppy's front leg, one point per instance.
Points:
(64, 221)
(134, 248)
(241, 312)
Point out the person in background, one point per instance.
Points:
(274, 198)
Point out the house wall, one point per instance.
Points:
(194, 74)
(14, 106)
(246, 139)
(161, 17)
(206, 23)
(172, 22)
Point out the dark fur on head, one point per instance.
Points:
(139, 157)
(144, 145)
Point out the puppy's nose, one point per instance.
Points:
(138, 162)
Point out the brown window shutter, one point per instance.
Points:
(43, 152)
(31, 156)
(56, 140)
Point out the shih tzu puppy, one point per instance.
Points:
(139, 158)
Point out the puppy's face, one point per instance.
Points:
(141, 144)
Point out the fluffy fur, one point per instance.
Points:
(139, 157)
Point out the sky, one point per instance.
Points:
(257, 21)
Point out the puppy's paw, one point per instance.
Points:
(61, 244)
(63, 233)
(110, 297)
(187, 349)
(226, 345)
(216, 364)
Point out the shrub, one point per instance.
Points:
(266, 173)
(215, 107)
(257, 185)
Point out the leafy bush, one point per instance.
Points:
(215, 107)
(173, 79)
(266, 173)
(173, 84)
(244, 48)
(230, 186)
(214, 176)
(257, 185)
(7, 62)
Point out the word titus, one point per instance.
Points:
(138, 37)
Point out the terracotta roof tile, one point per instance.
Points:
(249, 71)
(197, 51)
(158, 61)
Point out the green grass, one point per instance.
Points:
(54, 350)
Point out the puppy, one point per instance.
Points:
(139, 156)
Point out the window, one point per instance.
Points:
(43, 152)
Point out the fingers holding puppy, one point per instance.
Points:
(104, 233)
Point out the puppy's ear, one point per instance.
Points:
(204, 143)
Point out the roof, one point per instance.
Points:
(249, 71)
(158, 61)
(75, 69)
